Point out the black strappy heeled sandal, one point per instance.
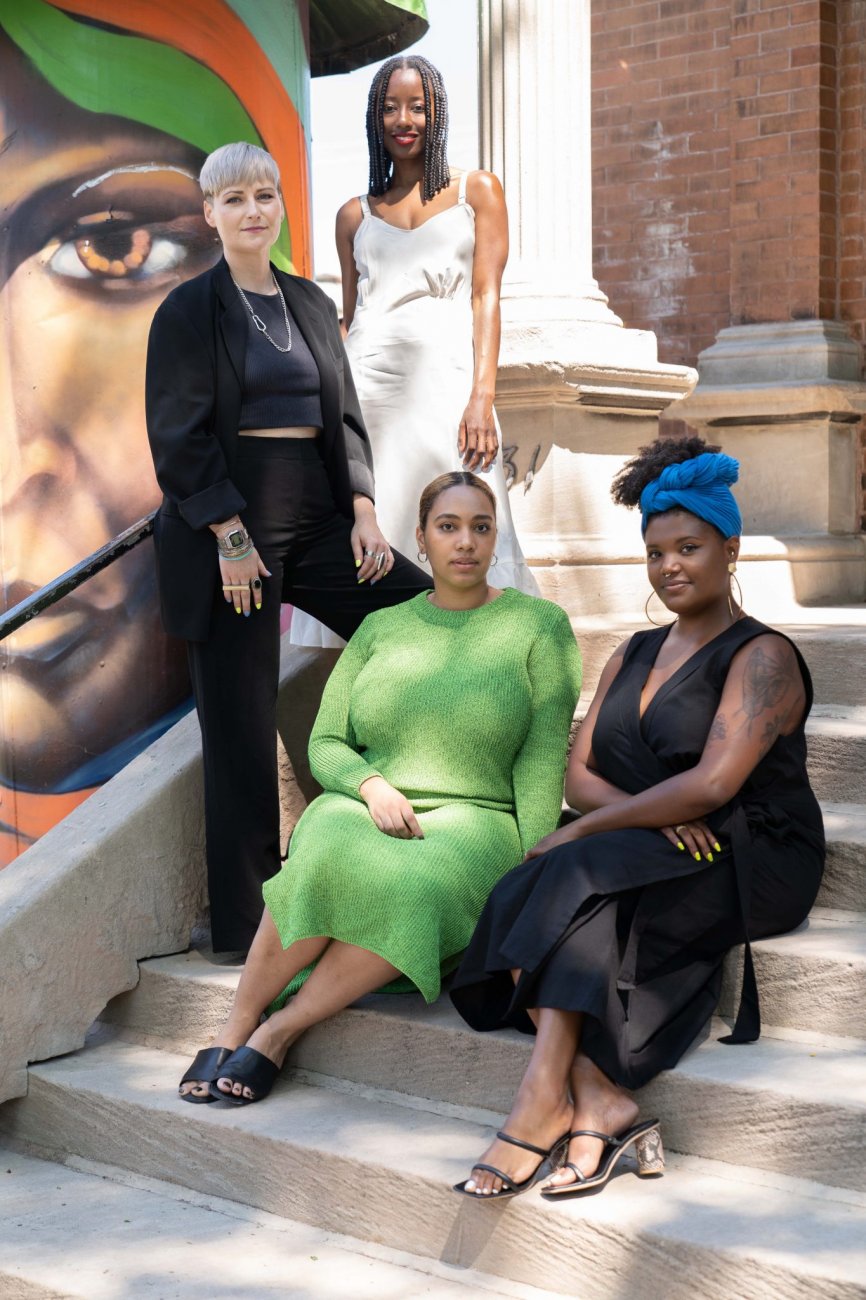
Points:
(510, 1187)
(249, 1068)
(204, 1069)
(647, 1141)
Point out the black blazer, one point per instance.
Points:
(193, 391)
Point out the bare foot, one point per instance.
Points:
(602, 1106)
(273, 1044)
(234, 1032)
(539, 1115)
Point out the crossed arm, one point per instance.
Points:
(763, 698)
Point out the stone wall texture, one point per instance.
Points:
(728, 156)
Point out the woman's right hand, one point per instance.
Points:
(390, 810)
(563, 835)
(236, 576)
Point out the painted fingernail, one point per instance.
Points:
(258, 604)
(360, 580)
(697, 857)
(680, 845)
(709, 857)
(357, 564)
(237, 611)
(246, 613)
(717, 847)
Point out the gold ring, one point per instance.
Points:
(235, 586)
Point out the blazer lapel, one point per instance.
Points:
(232, 320)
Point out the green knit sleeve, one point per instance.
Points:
(539, 770)
(333, 752)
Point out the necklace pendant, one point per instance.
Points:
(259, 324)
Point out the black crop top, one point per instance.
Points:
(282, 390)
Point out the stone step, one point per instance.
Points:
(781, 1104)
(134, 1237)
(834, 651)
(816, 975)
(353, 1161)
(836, 736)
(844, 883)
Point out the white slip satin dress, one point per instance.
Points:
(411, 351)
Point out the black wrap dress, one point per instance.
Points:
(626, 928)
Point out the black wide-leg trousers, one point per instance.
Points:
(304, 541)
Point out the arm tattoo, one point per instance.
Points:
(766, 680)
(719, 729)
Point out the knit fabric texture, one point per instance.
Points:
(467, 713)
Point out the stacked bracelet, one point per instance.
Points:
(236, 544)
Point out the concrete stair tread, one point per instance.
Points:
(170, 1243)
(384, 1170)
(773, 1062)
(845, 720)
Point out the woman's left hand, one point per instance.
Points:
(373, 556)
(477, 440)
(694, 837)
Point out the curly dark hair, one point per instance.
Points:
(648, 464)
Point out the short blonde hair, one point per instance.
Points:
(237, 164)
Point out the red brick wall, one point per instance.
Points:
(852, 165)
(728, 141)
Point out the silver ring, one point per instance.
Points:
(679, 829)
(366, 552)
(380, 560)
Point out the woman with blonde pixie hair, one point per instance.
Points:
(264, 463)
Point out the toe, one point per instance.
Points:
(224, 1085)
(249, 1094)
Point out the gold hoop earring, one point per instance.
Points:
(649, 616)
(739, 601)
(422, 557)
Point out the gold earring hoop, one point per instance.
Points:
(732, 606)
(649, 616)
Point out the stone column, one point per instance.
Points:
(535, 135)
(569, 370)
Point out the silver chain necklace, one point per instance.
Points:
(257, 320)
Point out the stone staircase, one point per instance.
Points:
(339, 1183)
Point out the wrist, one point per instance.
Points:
(369, 784)
(226, 526)
(362, 505)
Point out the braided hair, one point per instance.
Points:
(436, 173)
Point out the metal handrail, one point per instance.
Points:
(48, 595)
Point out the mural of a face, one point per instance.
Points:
(100, 215)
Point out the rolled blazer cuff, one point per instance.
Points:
(361, 479)
(218, 502)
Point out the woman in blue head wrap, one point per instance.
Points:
(698, 830)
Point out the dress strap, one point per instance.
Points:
(461, 191)
(365, 206)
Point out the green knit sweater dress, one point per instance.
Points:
(467, 713)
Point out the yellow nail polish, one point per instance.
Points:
(360, 580)
(258, 605)
(709, 857)
(357, 564)
(717, 847)
(697, 857)
(680, 845)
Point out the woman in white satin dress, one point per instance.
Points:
(422, 257)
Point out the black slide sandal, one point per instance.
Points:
(249, 1068)
(204, 1069)
(510, 1188)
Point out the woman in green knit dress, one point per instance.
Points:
(440, 745)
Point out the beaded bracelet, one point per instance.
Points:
(242, 556)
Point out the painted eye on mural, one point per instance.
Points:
(113, 251)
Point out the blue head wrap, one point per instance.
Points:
(699, 485)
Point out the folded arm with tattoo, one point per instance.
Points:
(763, 698)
